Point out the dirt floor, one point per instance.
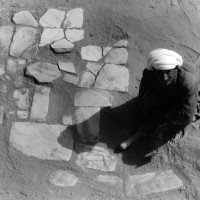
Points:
(146, 24)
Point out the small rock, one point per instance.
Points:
(87, 80)
(67, 120)
(113, 77)
(2, 69)
(11, 65)
(31, 52)
(40, 104)
(22, 114)
(1, 114)
(95, 157)
(121, 43)
(6, 33)
(21, 98)
(106, 50)
(24, 37)
(117, 56)
(25, 18)
(92, 98)
(94, 67)
(3, 89)
(91, 53)
(62, 46)
(63, 178)
(67, 67)
(43, 72)
(74, 35)
(74, 18)
(50, 35)
(52, 18)
(71, 78)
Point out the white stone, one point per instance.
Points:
(71, 78)
(52, 18)
(1, 114)
(22, 114)
(67, 120)
(11, 65)
(95, 157)
(113, 77)
(87, 80)
(50, 35)
(91, 53)
(74, 18)
(63, 178)
(106, 50)
(94, 67)
(117, 56)
(21, 98)
(6, 33)
(62, 46)
(24, 37)
(25, 18)
(152, 183)
(74, 35)
(40, 104)
(41, 140)
(92, 98)
(87, 120)
(67, 67)
(121, 43)
(2, 69)
(43, 72)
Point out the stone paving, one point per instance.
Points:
(105, 70)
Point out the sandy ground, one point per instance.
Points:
(146, 25)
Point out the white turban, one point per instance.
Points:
(163, 59)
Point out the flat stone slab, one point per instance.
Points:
(139, 185)
(87, 121)
(6, 33)
(87, 80)
(113, 77)
(106, 50)
(40, 105)
(94, 157)
(71, 78)
(23, 38)
(117, 56)
(92, 98)
(63, 178)
(74, 18)
(22, 114)
(94, 67)
(21, 98)
(43, 72)
(25, 18)
(74, 35)
(50, 35)
(67, 67)
(62, 46)
(52, 18)
(41, 140)
(91, 53)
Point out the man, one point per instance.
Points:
(168, 94)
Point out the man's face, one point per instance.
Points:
(165, 77)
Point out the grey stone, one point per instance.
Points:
(117, 56)
(113, 77)
(23, 38)
(121, 43)
(52, 18)
(25, 18)
(43, 72)
(92, 98)
(95, 157)
(87, 121)
(21, 98)
(63, 178)
(106, 50)
(50, 35)
(22, 114)
(74, 35)
(87, 80)
(11, 65)
(6, 33)
(40, 105)
(41, 140)
(1, 114)
(139, 185)
(71, 78)
(74, 18)
(91, 53)
(62, 46)
(30, 53)
(94, 67)
(67, 67)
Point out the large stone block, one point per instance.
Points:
(117, 56)
(91, 53)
